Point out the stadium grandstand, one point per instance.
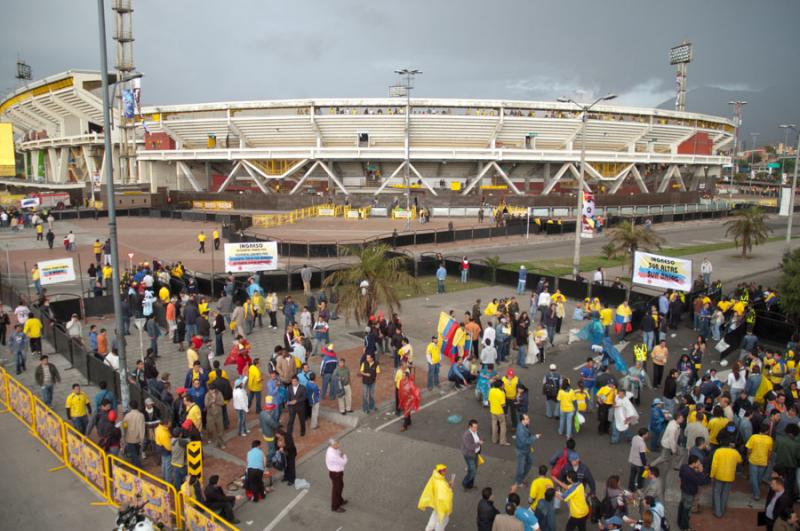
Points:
(358, 145)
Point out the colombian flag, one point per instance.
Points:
(450, 335)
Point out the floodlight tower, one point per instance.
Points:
(737, 105)
(123, 34)
(681, 56)
(404, 89)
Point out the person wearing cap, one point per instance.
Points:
(615, 522)
(326, 368)
(574, 494)
(437, 495)
(240, 405)
(551, 386)
(268, 420)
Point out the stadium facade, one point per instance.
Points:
(359, 145)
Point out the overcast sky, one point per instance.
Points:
(199, 50)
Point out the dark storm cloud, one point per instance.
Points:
(201, 50)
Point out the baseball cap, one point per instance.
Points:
(553, 366)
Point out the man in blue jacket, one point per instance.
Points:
(524, 441)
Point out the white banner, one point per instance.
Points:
(29, 202)
(786, 197)
(662, 271)
(56, 271)
(251, 257)
(587, 216)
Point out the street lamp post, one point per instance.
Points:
(576, 259)
(753, 136)
(409, 73)
(737, 105)
(794, 128)
(112, 211)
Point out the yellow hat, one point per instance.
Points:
(440, 468)
(268, 399)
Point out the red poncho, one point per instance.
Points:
(408, 395)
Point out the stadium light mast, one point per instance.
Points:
(576, 258)
(792, 127)
(753, 136)
(112, 209)
(408, 76)
(738, 105)
(681, 56)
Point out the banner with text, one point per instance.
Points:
(251, 257)
(56, 271)
(587, 216)
(662, 271)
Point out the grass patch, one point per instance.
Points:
(427, 286)
(563, 266)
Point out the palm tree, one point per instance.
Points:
(384, 275)
(627, 238)
(493, 263)
(748, 228)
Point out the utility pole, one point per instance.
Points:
(112, 210)
(738, 105)
(409, 74)
(753, 136)
(794, 128)
(576, 258)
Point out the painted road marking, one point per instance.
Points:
(286, 510)
(448, 395)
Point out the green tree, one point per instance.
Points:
(609, 251)
(627, 238)
(385, 274)
(748, 227)
(789, 285)
(493, 263)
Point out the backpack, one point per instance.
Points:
(555, 471)
(550, 388)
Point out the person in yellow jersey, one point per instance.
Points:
(434, 357)
(574, 495)
(78, 409)
(567, 406)
(36, 277)
(97, 249)
(255, 382)
(723, 473)
(539, 486)
(491, 308)
(193, 412)
(759, 448)
(215, 237)
(607, 319)
(717, 423)
(437, 495)
(201, 239)
(107, 274)
(605, 401)
(510, 383)
(33, 329)
(398, 377)
(162, 438)
(497, 406)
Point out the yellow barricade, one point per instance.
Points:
(3, 387)
(20, 401)
(86, 459)
(126, 482)
(48, 428)
(198, 517)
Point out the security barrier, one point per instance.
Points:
(115, 480)
(48, 428)
(20, 401)
(275, 220)
(126, 483)
(198, 517)
(86, 459)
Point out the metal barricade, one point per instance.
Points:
(198, 517)
(86, 460)
(20, 401)
(126, 483)
(48, 428)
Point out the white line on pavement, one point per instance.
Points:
(448, 395)
(286, 510)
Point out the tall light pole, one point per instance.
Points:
(737, 106)
(753, 137)
(112, 210)
(793, 127)
(576, 259)
(409, 74)
(681, 56)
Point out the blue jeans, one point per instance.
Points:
(47, 394)
(551, 334)
(707, 279)
(191, 331)
(719, 496)
(328, 381)
(257, 396)
(433, 375)
(439, 285)
(472, 469)
(756, 475)
(616, 435)
(565, 423)
(715, 332)
(647, 339)
(242, 415)
(524, 463)
(80, 423)
(368, 397)
(464, 276)
(166, 468)
(521, 286)
(552, 409)
(522, 355)
(20, 358)
(38, 285)
(132, 453)
(178, 476)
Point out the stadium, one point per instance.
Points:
(358, 146)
